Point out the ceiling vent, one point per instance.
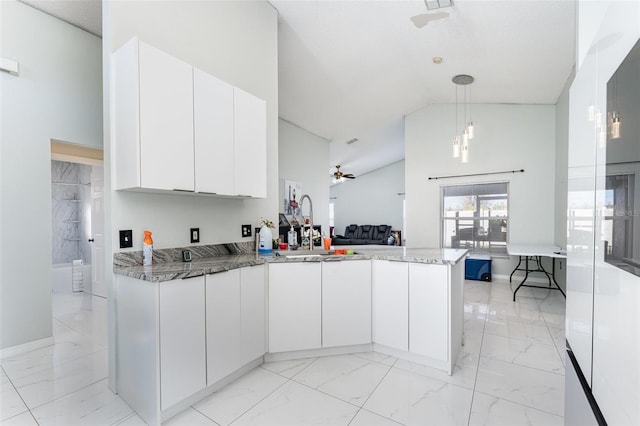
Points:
(350, 141)
(438, 4)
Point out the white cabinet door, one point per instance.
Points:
(166, 121)
(182, 339)
(391, 304)
(253, 313)
(346, 303)
(213, 134)
(223, 324)
(250, 135)
(428, 310)
(294, 306)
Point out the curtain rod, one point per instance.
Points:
(477, 174)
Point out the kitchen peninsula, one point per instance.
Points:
(184, 330)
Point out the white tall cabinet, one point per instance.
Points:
(602, 311)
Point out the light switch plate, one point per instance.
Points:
(246, 230)
(126, 238)
(195, 235)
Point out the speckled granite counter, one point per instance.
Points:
(224, 257)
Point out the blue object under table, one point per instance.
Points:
(477, 267)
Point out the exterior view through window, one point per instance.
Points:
(476, 217)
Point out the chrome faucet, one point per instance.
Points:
(310, 219)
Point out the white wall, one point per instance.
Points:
(304, 157)
(56, 96)
(508, 137)
(374, 198)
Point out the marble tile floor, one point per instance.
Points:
(510, 372)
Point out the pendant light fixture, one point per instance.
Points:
(615, 116)
(461, 143)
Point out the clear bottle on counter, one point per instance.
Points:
(292, 238)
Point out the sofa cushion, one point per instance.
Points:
(364, 232)
(381, 233)
(350, 231)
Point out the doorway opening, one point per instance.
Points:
(77, 219)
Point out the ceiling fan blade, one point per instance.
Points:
(424, 18)
(349, 176)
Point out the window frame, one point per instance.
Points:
(476, 245)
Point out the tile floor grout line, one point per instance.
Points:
(475, 381)
(19, 396)
(520, 404)
(200, 412)
(73, 392)
(376, 388)
(258, 402)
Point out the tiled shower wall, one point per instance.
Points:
(70, 211)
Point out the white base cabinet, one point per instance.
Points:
(295, 291)
(391, 304)
(223, 324)
(179, 340)
(428, 322)
(346, 303)
(155, 323)
(253, 318)
(235, 320)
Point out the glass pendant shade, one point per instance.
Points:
(465, 153)
(465, 139)
(470, 130)
(456, 147)
(615, 126)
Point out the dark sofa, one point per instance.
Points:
(363, 234)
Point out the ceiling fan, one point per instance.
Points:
(338, 176)
(424, 18)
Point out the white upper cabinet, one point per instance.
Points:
(213, 134)
(178, 128)
(250, 129)
(153, 119)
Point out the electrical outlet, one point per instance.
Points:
(126, 238)
(195, 235)
(246, 230)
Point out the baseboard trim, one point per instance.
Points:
(26, 347)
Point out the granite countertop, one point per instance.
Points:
(171, 269)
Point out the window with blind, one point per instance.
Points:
(476, 217)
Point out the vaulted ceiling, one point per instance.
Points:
(354, 68)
